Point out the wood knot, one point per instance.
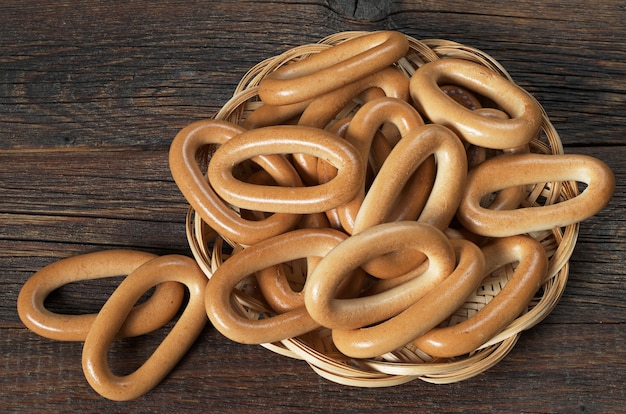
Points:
(364, 10)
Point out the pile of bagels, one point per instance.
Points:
(400, 208)
(363, 202)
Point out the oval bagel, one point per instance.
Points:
(525, 114)
(332, 68)
(159, 309)
(202, 197)
(473, 332)
(286, 139)
(423, 315)
(289, 246)
(176, 268)
(403, 238)
(520, 169)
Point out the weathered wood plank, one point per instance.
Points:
(75, 76)
(119, 183)
(85, 74)
(585, 369)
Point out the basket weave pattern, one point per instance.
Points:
(407, 363)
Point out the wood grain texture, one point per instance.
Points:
(91, 95)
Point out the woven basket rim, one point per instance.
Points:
(399, 368)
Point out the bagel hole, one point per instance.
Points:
(126, 355)
(249, 172)
(296, 272)
(249, 300)
(581, 186)
(466, 97)
(487, 200)
(491, 285)
(204, 154)
(253, 215)
(280, 285)
(84, 297)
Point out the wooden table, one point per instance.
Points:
(91, 95)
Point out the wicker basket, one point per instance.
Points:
(408, 363)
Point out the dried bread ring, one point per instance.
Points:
(333, 68)
(421, 316)
(521, 169)
(202, 197)
(149, 316)
(286, 139)
(162, 269)
(524, 112)
(289, 246)
(403, 238)
(507, 305)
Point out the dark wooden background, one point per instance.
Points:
(91, 95)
